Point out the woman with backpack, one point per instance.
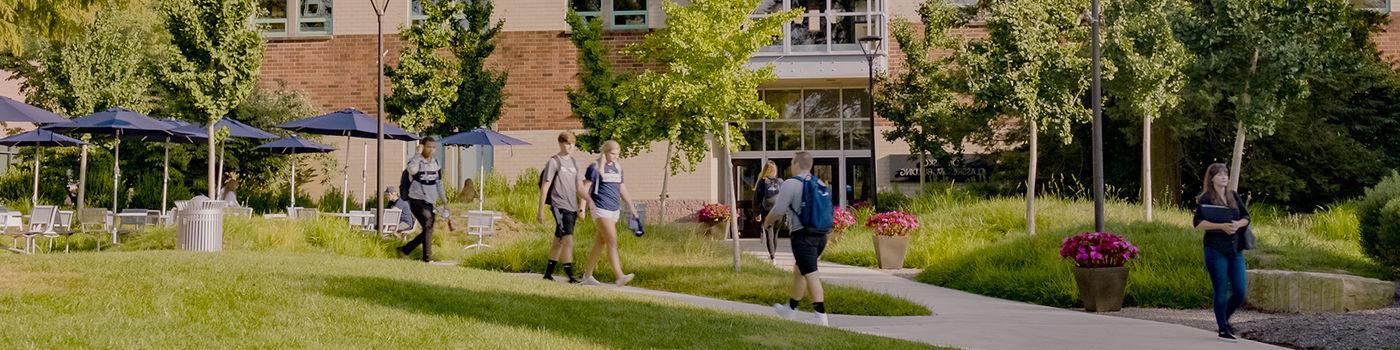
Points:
(606, 194)
(765, 194)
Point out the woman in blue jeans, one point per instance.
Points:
(1224, 257)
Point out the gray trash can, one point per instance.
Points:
(201, 226)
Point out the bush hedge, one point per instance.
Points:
(1379, 214)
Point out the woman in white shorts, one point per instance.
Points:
(606, 195)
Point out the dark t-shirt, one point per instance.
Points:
(606, 190)
(1216, 238)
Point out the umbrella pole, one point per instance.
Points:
(363, 179)
(222, 153)
(116, 175)
(345, 176)
(37, 155)
(82, 178)
(294, 181)
(165, 178)
(480, 182)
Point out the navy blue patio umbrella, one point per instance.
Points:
(119, 123)
(15, 111)
(235, 129)
(293, 145)
(349, 122)
(177, 135)
(39, 138)
(482, 137)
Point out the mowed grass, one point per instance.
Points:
(239, 299)
(981, 246)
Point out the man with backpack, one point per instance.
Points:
(805, 202)
(422, 186)
(559, 184)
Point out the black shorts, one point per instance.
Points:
(564, 222)
(807, 248)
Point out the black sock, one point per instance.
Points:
(549, 269)
(792, 303)
(820, 307)
(569, 269)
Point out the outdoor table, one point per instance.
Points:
(137, 219)
(366, 218)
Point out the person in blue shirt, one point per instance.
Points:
(405, 219)
(605, 192)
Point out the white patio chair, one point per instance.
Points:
(480, 224)
(359, 221)
(238, 212)
(12, 223)
(62, 227)
(95, 221)
(130, 222)
(308, 213)
(41, 221)
(391, 224)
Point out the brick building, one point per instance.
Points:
(820, 92)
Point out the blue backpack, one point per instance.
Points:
(816, 213)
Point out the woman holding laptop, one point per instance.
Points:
(1224, 218)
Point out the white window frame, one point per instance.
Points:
(293, 21)
(876, 19)
(608, 14)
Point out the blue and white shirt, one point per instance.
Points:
(606, 190)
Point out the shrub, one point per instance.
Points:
(1097, 249)
(1379, 214)
(713, 213)
(892, 223)
(891, 201)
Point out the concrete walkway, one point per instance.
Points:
(969, 321)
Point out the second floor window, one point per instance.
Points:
(825, 26)
(289, 18)
(615, 14)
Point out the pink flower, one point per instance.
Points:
(1098, 249)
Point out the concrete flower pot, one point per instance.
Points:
(1101, 288)
(717, 229)
(890, 251)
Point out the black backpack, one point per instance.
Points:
(770, 189)
(404, 184)
(547, 200)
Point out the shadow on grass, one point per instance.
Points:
(618, 323)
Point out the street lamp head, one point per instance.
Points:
(870, 45)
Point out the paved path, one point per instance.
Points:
(969, 321)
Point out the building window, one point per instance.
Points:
(314, 17)
(415, 12)
(272, 18)
(286, 18)
(588, 9)
(812, 120)
(629, 14)
(825, 26)
(1382, 6)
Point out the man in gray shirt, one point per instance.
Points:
(807, 244)
(559, 184)
(424, 192)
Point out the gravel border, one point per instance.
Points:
(1359, 330)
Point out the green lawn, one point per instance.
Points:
(981, 246)
(166, 299)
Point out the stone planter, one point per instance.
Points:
(717, 229)
(889, 250)
(1101, 288)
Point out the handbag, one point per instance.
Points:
(1245, 238)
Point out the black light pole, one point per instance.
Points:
(870, 47)
(1097, 96)
(379, 115)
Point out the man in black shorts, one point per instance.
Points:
(807, 245)
(559, 184)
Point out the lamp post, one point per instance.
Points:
(870, 48)
(1097, 102)
(379, 114)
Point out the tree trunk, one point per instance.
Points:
(1237, 158)
(213, 185)
(665, 182)
(1030, 178)
(923, 164)
(1147, 168)
(732, 227)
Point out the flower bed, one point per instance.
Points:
(892, 223)
(1097, 249)
(713, 213)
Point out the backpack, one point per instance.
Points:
(769, 188)
(404, 182)
(816, 214)
(548, 199)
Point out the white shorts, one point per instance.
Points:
(606, 214)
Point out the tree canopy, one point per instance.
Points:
(441, 94)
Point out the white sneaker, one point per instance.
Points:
(590, 281)
(784, 311)
(820, 319)
(622, 281)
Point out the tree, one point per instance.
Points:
(1031, 69)
(445, 95)
(216, 60)
(602, 101)
(924, 104)
(54, 19)
(1257, 57)
(1146, 62)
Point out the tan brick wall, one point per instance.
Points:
(1389, 39)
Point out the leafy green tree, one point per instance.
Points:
(54, 19)
(1146, 62)
(601, 101)
(1256, 59)
(216, 60)
(924, 104)
(444, 95)
(1031, 70)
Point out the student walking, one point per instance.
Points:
(559, 184)
(1225, 220)
(606, 194)
(765, 195)
(805, 202)
(424, 192)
